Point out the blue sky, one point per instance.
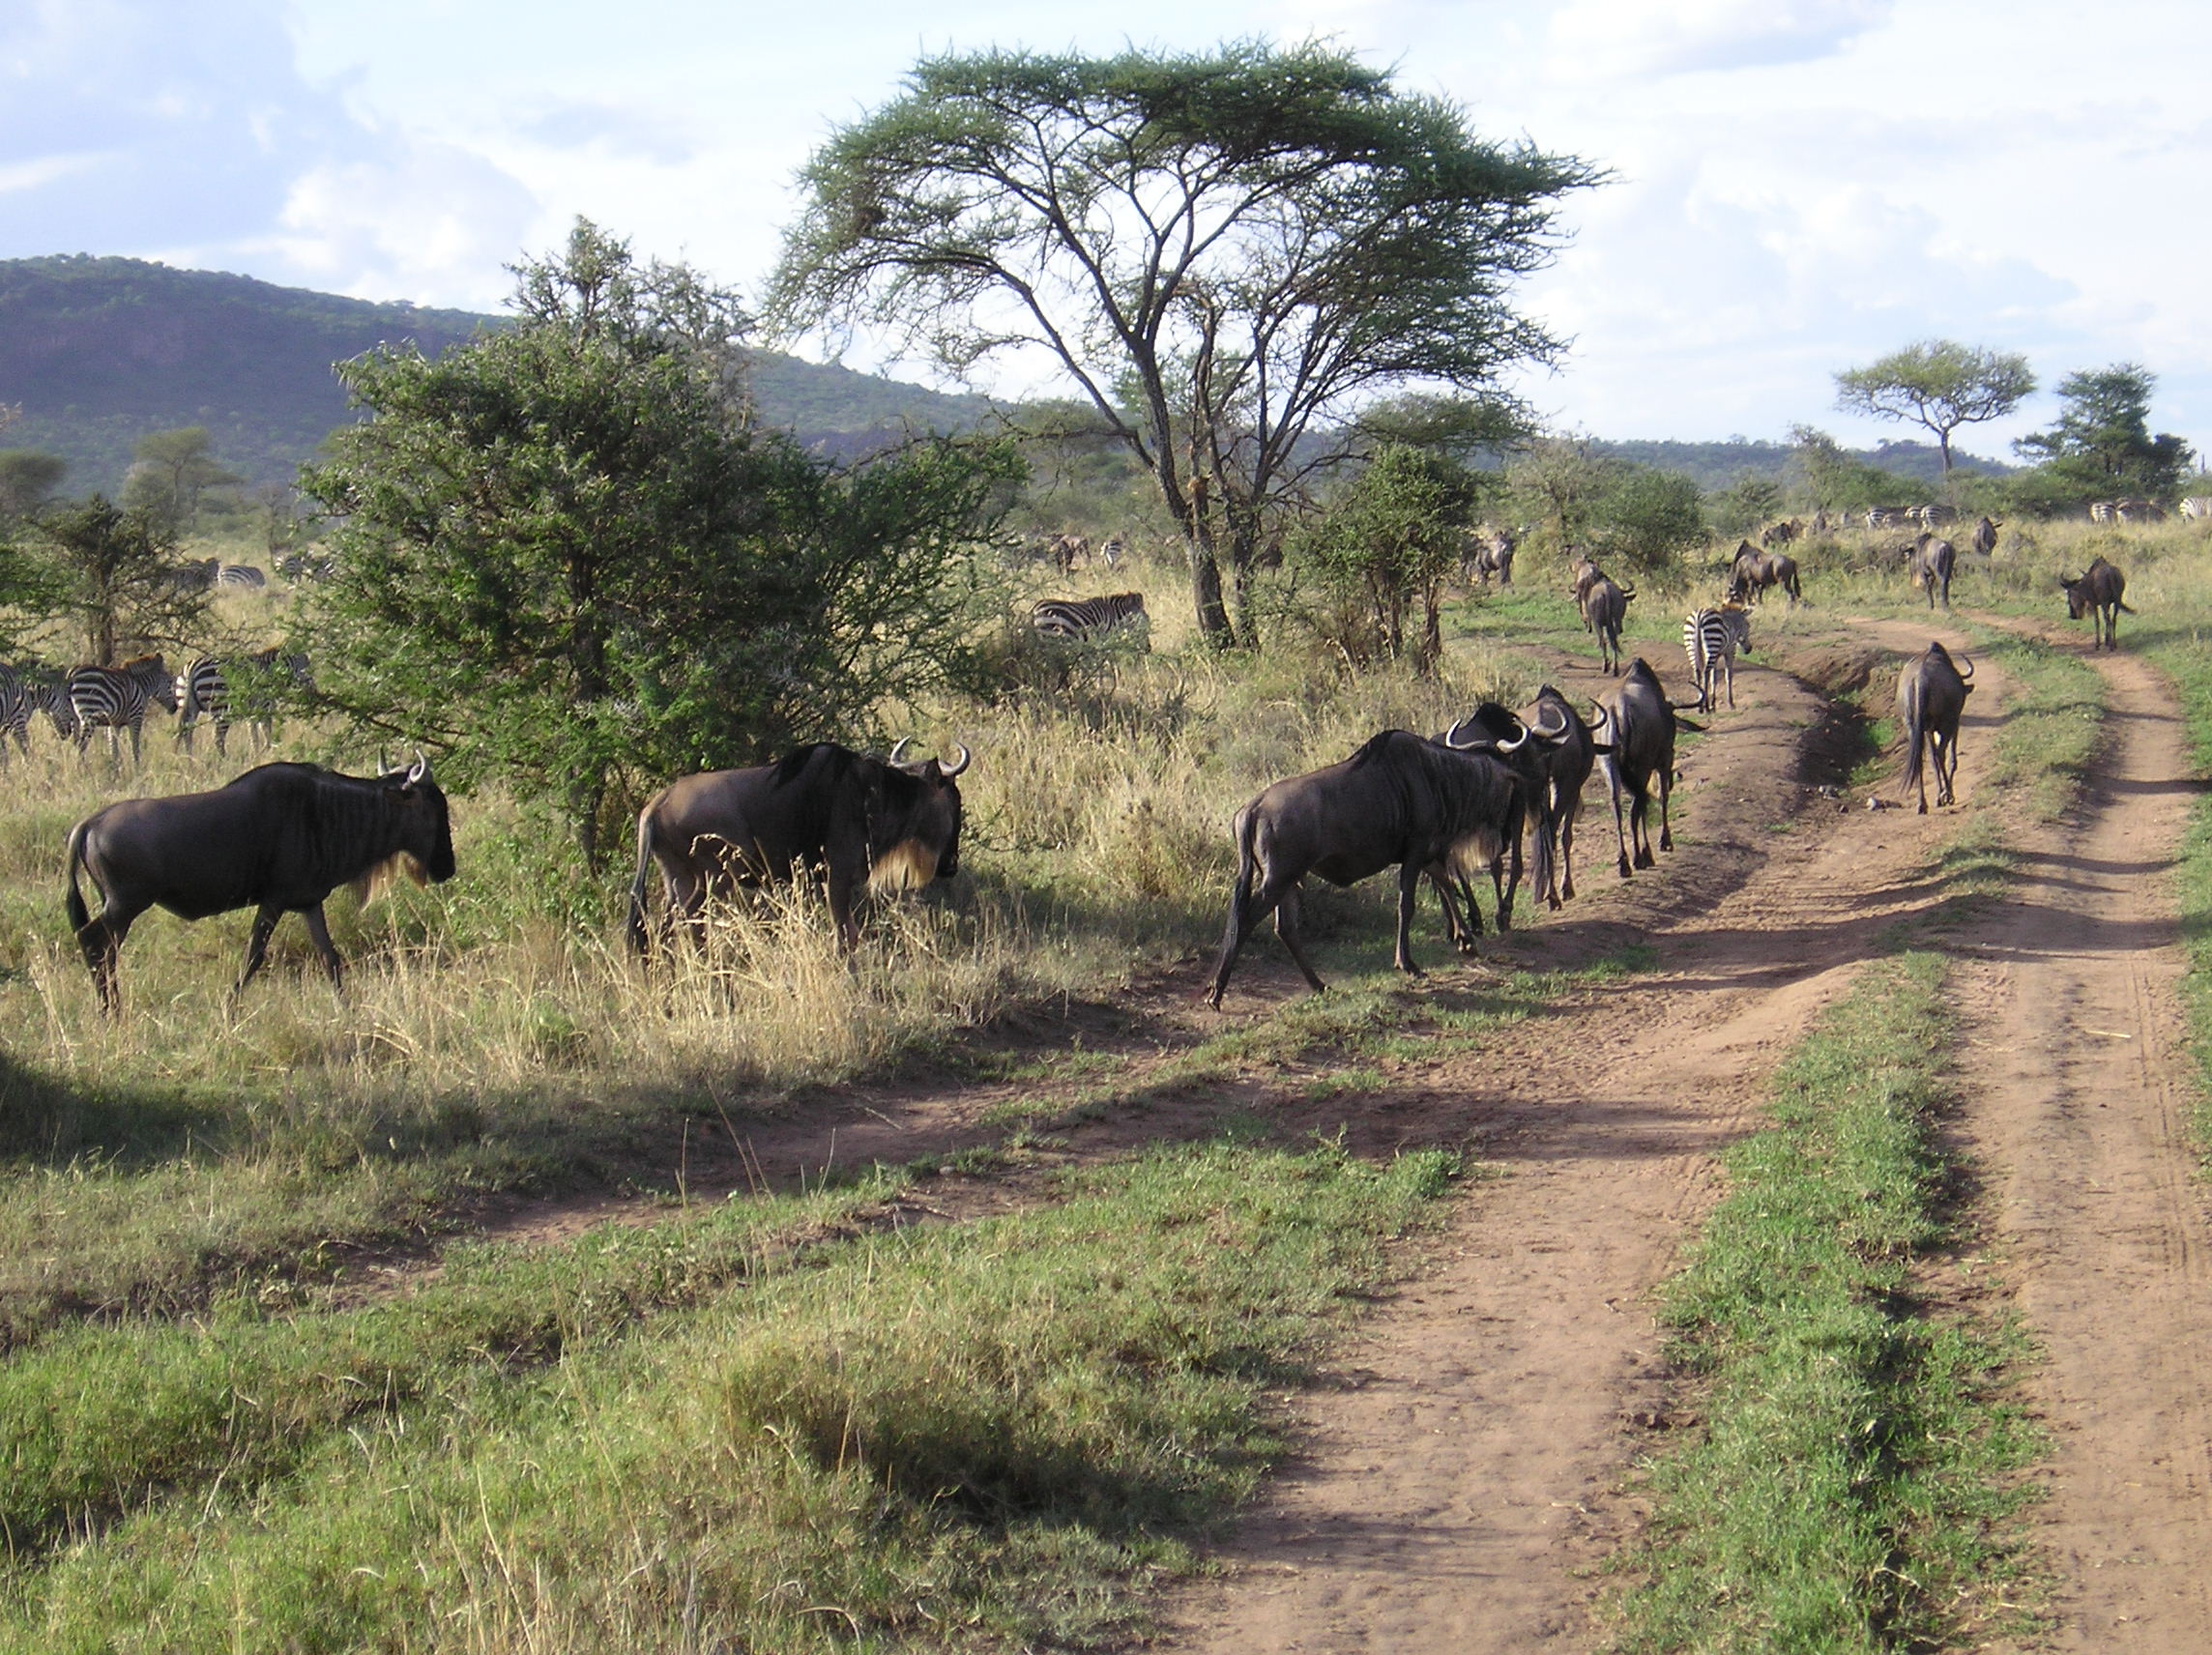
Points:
(1799, 184)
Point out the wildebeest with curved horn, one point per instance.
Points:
(1932, 693)
(1930, 562)
(1568, 758)
(280, 839)
(2096, 591)
(1605, 606)
(1400, 800)
(821, 810)
(1637, 724)
(1502, 733)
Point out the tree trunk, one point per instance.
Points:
(1205, 572)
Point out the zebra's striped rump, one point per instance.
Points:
(116, 698)
(1712, 639)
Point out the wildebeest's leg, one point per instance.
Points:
(1640, 826)
(1945, 749)
(265, 919)
(1289, 905)
(1447, 888)
(1408, 888)
(319, 933)
(1243, 910)
(1568, 811)
(101, 940)
(1666, 794)
(1619, 831)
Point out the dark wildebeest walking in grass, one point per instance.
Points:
(1636, 723)
(823, 810)
(1985, 541)
(1400, 800)
(1605, 606)
(1752, 571)
(280, 839)
(1931, 694)
(2096, 593)
(1930, 562)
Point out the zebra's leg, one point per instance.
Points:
(265, 919)
(222, 734)
(319, 933)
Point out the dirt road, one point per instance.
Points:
(2077, 1116)
(1449, 1493)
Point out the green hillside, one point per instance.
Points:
(1716, 466)
(98, 352)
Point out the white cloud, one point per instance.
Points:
(1623, 38)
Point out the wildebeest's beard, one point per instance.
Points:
(908, 865)
(386, 874)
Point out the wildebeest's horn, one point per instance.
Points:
(897, 747)
(1965, 667)
(1550, 731)
(419, 769)
(1516, 745)
(948, 771)
(1452, 741)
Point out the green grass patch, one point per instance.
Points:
(999, 1431)
(1850, 1486)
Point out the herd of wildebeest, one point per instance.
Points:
(1447, 809)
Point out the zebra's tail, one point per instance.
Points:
(639, 940)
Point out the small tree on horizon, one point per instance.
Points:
(1939, 383)
(1385, 544)
(2102, 444)
(170, 472)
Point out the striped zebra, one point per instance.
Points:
(204, 689)
(2196, 509)
(1712, 638)
(1069, 619)
(111, 698)
(238, 577)
(23, 696)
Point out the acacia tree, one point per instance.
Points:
(113, 573)
(2101, 442)
(563, 555)
(1939, 383)
(1226, 252)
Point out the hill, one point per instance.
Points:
(1716, 466)
(98, 352)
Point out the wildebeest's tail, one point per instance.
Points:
(79, 916)
(1240, 900)
(638, 940)
(1915, 739)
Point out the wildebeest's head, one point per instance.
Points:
(2077, 598)
(917, 837)
(424, 831)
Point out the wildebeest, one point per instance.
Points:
(1752, 571)
(1781, 533)
(1985, 541)
(280, 839)
(1636, 724)
(1489, 552)
(2096, 591)
(1605, 606)
(1500, 732)
(1931, 693)
(822, 810)
(1931, 562)
(1400, 800)
(1567, 756)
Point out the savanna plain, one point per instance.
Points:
(1673, 1274)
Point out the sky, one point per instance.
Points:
(1797, 187)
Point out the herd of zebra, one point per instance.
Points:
(119, 698)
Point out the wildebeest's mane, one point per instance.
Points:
(788, 766)
(1373, 746)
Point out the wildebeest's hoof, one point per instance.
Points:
(1646, 859)
(1624, 867)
